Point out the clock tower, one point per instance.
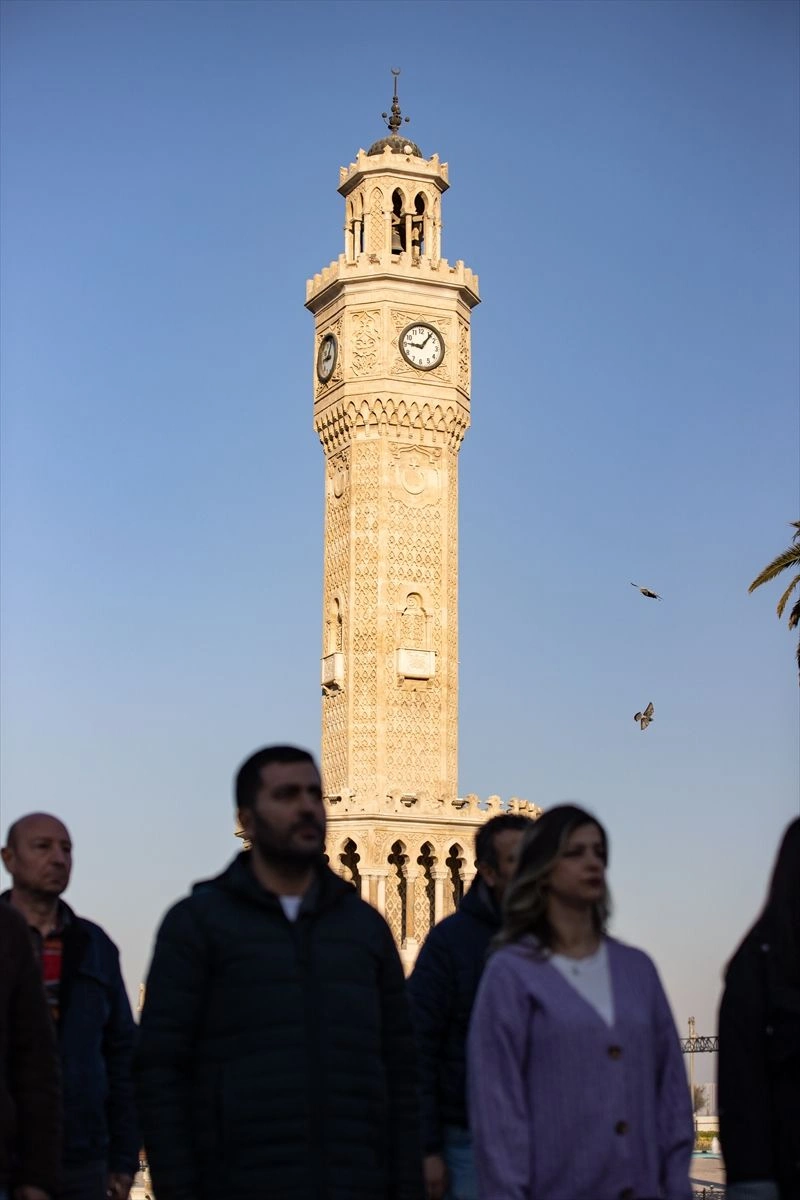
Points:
(391, 380)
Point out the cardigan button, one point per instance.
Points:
(621, 1127)
(615, 1052)
(626, 1194)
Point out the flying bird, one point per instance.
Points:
(644, 718)
(647, 592)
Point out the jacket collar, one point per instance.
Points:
(326, 891)
(479, 902)
(66, 915)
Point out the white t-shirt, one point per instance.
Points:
(291, 906)
(591, 978)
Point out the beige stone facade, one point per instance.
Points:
(391, 390)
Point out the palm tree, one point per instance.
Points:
(788, 559)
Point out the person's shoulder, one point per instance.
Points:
(14, 936)
(194, 909)
(349, 904)
(448, 930)
(516, 958)
(632, 959)
(91, 929)
(750, 955)
(205, 897)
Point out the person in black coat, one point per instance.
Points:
(276, 1055)
(30, 1082)
(759, 1045)
(442, 988)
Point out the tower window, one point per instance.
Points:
(418, 227)
(398, 223)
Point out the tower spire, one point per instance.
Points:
(396, 119)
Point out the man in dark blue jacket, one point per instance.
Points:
(442, 990)
(90, 1010)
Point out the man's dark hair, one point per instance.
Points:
(485, 849)
(248, 777)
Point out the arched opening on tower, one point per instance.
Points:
(426, 894)
(350, 858)
(333, 627)
(355, 231)
(398, 223)
(418, 227)
(396, 892)
(455, 862)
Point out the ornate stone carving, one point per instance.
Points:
(377, 236)
(336, 592)
(463, 356)
(365, 336)
(413, 421)
(416, 479)
(365, 613)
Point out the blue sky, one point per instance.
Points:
(625, 182)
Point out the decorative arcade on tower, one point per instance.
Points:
(391, 407)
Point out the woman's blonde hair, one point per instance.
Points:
(525, 901)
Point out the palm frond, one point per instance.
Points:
(784, 598)
(794, 616)
(789, 558)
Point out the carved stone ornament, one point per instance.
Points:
(415, 475)
(337, 471)
(332, 671)
(365, 337)
(416, 664)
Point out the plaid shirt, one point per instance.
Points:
(49, 948)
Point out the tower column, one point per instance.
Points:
(411, 876)
(380, 897)
(439, 876)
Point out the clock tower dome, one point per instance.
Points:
(391, 383)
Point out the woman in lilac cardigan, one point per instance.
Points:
(577, 1088)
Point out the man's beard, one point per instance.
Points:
(276, 849)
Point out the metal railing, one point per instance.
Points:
(700, 1045)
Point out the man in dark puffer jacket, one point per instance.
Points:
(276, 1056)
(442, 990)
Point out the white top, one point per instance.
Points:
(591, 978)
(291, 906)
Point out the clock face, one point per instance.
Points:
(422, 346)
(326, 357)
